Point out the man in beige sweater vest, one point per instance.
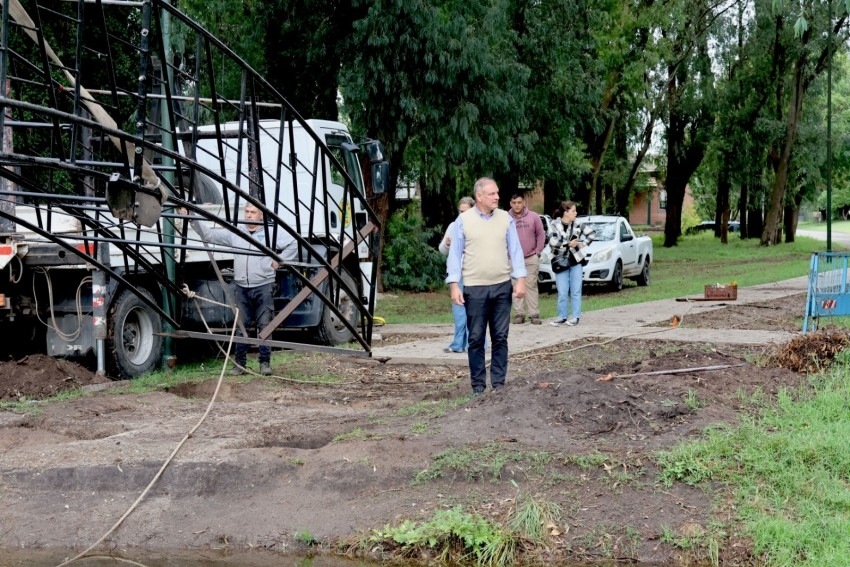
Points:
(486, 254)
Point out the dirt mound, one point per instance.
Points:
(38, 376)
(276, 458)
(634, 389)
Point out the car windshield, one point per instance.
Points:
(605, 231)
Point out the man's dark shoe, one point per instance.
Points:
(518, 319)
(535, 320)
(265, 369)
(236, 370)
(477, 391)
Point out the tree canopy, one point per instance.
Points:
(725, 95)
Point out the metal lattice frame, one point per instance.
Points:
(97, 118)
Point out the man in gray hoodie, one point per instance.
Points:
(254, 277)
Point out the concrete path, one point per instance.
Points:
(840, 239)
(628, 321)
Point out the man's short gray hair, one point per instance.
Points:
(479, 185)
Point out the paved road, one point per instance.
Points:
(839, 239)
(627, 321)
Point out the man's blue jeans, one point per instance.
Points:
(256, 305)
(488, 306)
(569, 284)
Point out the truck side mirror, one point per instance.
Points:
(375, 150)
(380, 177)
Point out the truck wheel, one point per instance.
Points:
(331, 330)
(134, 346)
(617, 277)
(643, 277)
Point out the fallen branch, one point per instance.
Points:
(611, 375)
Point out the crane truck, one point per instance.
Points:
(102, 168)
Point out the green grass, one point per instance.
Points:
(432, 408)
(485, 462)
(533, 516)
(450, 537)
(356, 434)
(679, 271)
(788, 468)
(32, 407)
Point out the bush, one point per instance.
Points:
(689, 219)
(410, 262)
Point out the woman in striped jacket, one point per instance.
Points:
(564, 238)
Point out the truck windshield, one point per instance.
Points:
(604, 230)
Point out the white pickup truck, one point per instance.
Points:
(615, 254)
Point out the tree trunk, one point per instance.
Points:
(433, 202)
(383, 206)
(683, 157)
(508, 185)
(686, 130)
(722, 213)
(622, 196)
(792, 217)
(675, 186)
(553, 194)
(789, 222)
(743, 213)
(596, 198)
(756, 222)
(771, 235)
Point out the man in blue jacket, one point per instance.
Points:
(254, 276)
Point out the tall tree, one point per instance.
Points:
(689, 90)
(297, 45)
(622, 50)
(810, 59)
(444, 73)
(555, 40)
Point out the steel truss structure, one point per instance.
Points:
(103, 165)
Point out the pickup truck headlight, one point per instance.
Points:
(602, 256)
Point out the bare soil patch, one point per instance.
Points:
(279, 457)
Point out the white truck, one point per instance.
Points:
(50, 294)
(97, 257)
(615, 254)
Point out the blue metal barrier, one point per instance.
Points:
(827, 294)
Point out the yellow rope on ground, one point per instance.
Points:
(170, 457)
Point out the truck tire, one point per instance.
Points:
(616, 283)
(134, 347)
(331, 331)
(643, 277)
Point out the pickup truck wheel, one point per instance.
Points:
(134, 346)
(332, 331)
(643, 277)
(617, 277)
